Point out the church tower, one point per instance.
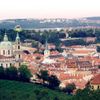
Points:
(18, 50)
(46, 51)
(18, 44)
(47, 59)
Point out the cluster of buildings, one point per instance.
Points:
(76, 64)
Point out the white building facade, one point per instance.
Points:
(9, 52)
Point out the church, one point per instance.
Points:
(10, 52)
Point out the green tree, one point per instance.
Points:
(11, 73)
(69, 88)
(98, 48)
(43, 74)
(53, 81)
(2, 72)
(24, 73)
(84, 94)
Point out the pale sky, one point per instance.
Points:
(48, 8)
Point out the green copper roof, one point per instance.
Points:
(17, 37)
(5, 37)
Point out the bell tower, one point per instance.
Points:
(46, 51)
(18, 50)
(18, 44)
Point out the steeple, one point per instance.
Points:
(94, 31)
(46, 45)
(5, 37)
(17, 37)
(46, 51)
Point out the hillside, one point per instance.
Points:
(12, 90)
(93, 18)
(47, 23)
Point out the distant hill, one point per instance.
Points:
(48, 23)
(13, 90)
(93, 18)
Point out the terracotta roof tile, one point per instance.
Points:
(96, 79)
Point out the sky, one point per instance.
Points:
(10, 9)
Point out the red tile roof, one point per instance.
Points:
(5, 57)
(96, 79)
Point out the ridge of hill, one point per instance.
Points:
(49, 23)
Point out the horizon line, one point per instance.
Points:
(46, 18)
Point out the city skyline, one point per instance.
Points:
(48, 8)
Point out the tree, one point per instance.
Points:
(11, 73)
(53, 81)
(2, 72)
(99, 66)
(85, 94)
(43, 95)
(69, 88)
(24, 73)
(98, 48)
(43, 74)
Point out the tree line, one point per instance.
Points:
(23, 74)
(50, 81)
(53, 36)
(12, 73)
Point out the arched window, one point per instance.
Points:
(3, 52)
(18, 47)
(19, 56)
(8, 52)
(98, 87)
(10, 64)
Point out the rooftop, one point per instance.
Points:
(96, 79)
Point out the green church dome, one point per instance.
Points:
(5, 44)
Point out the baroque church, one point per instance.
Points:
(10, 53)
(47, 59)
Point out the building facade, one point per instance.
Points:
(10, 53)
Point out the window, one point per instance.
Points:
(8, 52)
(6, 65)
(10, 64)
(19, 56)
(3, 52)
(18, 47)
(92, 87)
(98, 87)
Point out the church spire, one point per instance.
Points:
(46, 51)
(94, 31)
(5, 37)
(46, 45)
(17, 37)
